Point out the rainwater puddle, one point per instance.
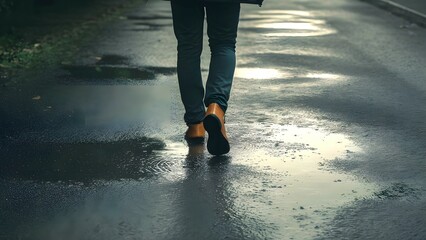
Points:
(298, 51)
(112, 59)
(107, 74)
(259, 73)
(82, 161)
(288, 75)
(294, 192)
(289, 25)
(277, 180)
(296, 13)
(90, 112)
(273, 23)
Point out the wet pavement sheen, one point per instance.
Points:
(319, 147)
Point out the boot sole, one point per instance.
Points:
(216, 143)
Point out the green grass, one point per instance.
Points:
(51, 36)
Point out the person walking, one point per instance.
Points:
(222, 25)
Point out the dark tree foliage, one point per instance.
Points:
(16, 12)
(8, 6)
(5, 5)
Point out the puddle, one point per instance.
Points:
(275, 178)
(296, 193)
(163, 70)
(290, 25)
(297, 13)
(328, 76)
(82, 161)
(108, 72)
(112, 74)
(275, 23)
(111, 59)
(259, 73)
(89, 112)
(286, 76)
(299, 51)
(301, 34)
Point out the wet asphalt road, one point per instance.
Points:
(326, 122)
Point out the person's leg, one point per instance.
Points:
(222, 20)
(222, 23)
(188, 20)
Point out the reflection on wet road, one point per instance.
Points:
(82, 162)
(283, 23)
(99, 152)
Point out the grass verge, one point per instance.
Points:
(52, 35)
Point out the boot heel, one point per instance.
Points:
(217, 144)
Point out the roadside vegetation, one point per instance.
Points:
(38, 34)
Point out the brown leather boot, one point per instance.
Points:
(195, 134)
(214, 122)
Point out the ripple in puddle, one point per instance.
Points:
(83, 161)
(292, 190)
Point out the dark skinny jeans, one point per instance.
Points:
(222, 25)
